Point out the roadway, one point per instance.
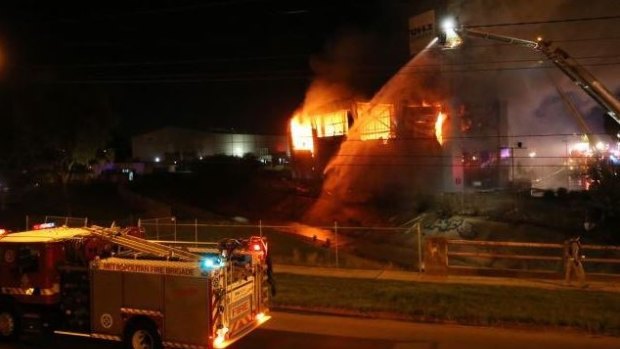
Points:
(303, 331)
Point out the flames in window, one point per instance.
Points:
(301, 133)
(441, 118)
(372, 122)
(375, 121)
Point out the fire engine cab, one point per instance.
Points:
(107, 283)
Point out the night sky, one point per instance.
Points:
(246, 64)
(199, 64)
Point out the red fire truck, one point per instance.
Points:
(107, 283)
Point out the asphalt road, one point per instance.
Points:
(297, 331)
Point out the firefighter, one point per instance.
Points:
(572, 262)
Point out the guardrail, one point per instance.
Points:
(507, 258)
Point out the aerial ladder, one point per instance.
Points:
(121, 237)
(451, 36)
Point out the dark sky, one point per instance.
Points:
(197, 63)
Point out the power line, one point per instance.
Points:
(173, 62)
(524, 60)
(551, 21)
(427, 165)
(523, 135)
(500, 69)
(283, 57)
(301, 76)
(157, 11)
(431, 156)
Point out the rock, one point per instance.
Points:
(466, 230)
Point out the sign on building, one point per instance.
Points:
(421, 31)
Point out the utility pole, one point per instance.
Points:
(512, 158)
(512, 165)
(419, 247)
(336, 242)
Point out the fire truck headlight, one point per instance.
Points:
(262, 317)
(220, 340)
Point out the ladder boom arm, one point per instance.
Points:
(123, 239)
(568, 65)
(497, 37)
(584, 79)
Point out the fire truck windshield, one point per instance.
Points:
(28, 259)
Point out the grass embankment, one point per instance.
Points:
(285, 248)
(595, 312)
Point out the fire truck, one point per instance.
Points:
(107, 283)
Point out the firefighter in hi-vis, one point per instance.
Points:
(573, 262)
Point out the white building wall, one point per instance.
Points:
(167, 141)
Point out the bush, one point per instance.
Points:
(562, 193)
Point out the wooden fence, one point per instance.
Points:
(515, 259)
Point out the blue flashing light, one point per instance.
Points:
(210, 263)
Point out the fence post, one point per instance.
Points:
(27, 222)
(420, 269)
(86, 221)
(139, 222)
(174, 220)
(436, 255)
(565, 256)
(66, 221)
(196, 231)
(336, 242)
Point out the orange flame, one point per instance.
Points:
(301, 134)
(375, 121)
(331, 124)
(441, 117)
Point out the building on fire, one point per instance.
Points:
(446, 148)
(416, 137)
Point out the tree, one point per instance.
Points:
(605, 192)
(55, 129)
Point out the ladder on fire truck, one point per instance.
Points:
(122, 238)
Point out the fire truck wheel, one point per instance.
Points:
(8, 324)
(142, 334)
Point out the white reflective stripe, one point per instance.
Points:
(240, 323)
(134, 311)
(75, 334)
(90, 335)
(182, 345)
(106, 337)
